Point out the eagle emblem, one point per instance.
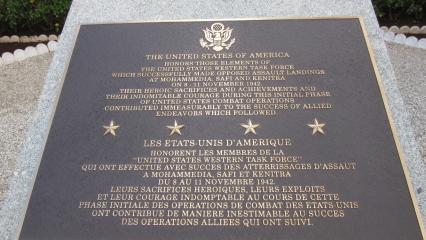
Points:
(217, 37)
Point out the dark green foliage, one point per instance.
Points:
(32, 16)
(395, 10)
(47, 16)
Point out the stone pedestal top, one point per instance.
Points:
(86, 11)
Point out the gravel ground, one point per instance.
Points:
(410, 71)
(21, 85)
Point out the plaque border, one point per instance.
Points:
(393, 128)
(371, 54)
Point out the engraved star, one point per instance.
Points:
(317, 127)
(111, 128)
(175, 128)
(250, 127)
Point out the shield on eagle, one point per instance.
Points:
(217, 37)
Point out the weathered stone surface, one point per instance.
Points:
(85, 11)
(409, 64)
(20, 89)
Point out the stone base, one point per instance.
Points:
(86, 11)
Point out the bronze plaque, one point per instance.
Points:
(222, 129)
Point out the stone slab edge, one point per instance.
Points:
(88, 11)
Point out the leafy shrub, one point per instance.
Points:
(394, 10)
(32, 16)
(47, 16)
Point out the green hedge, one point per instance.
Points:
(47, 16)
(32, 16)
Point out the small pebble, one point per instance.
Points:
(52, 45)
(7, 58)
(411, 41)
(31, 51)
(24, 39)
(422, 43)
(43, 38)
(415, 29)
(53, 38)
(19, 55)
(394, 29)
(4, 39)
(389, 36)
(42, 48)
(404, 29)
(14, 39)
(400, 38)
(34, 39)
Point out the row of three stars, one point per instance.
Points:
(176, 128)
(249, 127)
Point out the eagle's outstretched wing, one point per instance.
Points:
(227, 34)
(204, 43)
(208, 35)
